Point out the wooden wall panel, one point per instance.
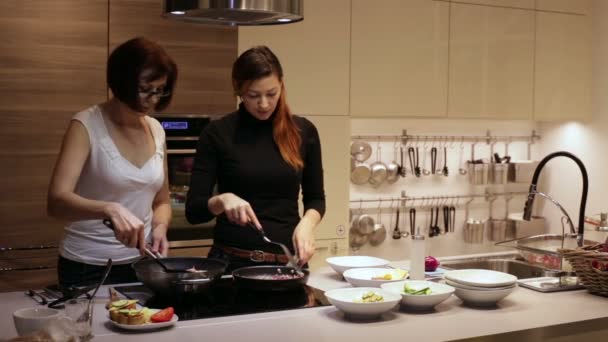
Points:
(204, 54)
(52, 65)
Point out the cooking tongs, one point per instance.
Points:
(75, 292)
(293, 260)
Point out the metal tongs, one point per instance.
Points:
(73, 292)
(293, 260)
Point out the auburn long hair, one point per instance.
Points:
(259, 62)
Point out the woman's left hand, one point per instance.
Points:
(159, 239)
(304, 241)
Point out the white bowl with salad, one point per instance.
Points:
(419, 294)
(374, 277)
(362, 302)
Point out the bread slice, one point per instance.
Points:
(128, 316)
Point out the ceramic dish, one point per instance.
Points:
(147, 326)
(439, 293)
(362, 277)
(477, 288)
(343, 263)
(482, 298)
(345, 300)
(481, 278)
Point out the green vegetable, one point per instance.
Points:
(370, 297)
(410, 290)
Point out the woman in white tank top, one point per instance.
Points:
(112, 165)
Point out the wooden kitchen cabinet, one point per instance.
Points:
(399, 58)
(52, 65)
(204, 54)
(334, 132)
(491, 70)
(314, 54)
(562, 67)
(566, 6)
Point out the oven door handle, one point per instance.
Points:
(181, 151)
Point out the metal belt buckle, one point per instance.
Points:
(257, 256)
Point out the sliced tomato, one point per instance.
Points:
(163, 315)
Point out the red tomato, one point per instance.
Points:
(164, 315)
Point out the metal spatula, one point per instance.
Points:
(293, 261)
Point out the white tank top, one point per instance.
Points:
(107, 176)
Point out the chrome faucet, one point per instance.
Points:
(533, 192)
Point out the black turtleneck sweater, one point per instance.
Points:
(238, 153)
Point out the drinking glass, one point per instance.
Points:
(80, 313)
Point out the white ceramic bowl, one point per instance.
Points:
(344, 300)
(343, 263)
(483, 297)
(362, 277)
(481, 278)
(478, 288)
(439, 293)
(29, 320)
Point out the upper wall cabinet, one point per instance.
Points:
(204, 54)
(563, 67)
(527, 4)
(314, 54)
(491, 73)
(568, 6)
(399, 58)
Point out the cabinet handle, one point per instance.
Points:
(32, 268)
(26, 248)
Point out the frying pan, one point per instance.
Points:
(174, 283)
(170, 276)
(256, 278)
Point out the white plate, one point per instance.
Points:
(481, 278)
(147, 326)
(343, 299)
(362, 277)
(439, 293)
(343, 263)
(477, 288)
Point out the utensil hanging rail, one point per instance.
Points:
(488, 138)
(403, 199)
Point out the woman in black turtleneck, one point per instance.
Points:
(259, 156)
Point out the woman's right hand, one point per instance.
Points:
(128, 229)
(237, 210)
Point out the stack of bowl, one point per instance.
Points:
(481, 287)
(342, 263)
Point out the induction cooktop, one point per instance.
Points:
(225, 299)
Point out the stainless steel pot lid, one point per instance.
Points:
(360, 150)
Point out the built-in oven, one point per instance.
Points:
(182, 133)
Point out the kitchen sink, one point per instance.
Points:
(520, 269)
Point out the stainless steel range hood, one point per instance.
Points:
(235, 12)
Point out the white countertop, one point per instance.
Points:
(523, 309)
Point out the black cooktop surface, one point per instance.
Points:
(225, 299)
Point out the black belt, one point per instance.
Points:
(255, 255)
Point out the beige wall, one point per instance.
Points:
(588, 140)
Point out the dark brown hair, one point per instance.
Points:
(129, 60)
(259, 62)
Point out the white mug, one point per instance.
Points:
(29, 320)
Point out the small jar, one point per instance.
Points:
(417, 254)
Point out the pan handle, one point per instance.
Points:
(192, 281)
